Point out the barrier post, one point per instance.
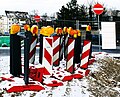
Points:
(56, 50)
(47, 61)
(41, 48)
(70, 56)
(27, 40)
(66, 35)
(57, 46)
(33, 43)
(59, 32)
(77, 49)
(26, 60)
(15, 51)
(85, 54)
(89, 37)
(74, 49)
(61, 46)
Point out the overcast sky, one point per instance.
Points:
(48, 6)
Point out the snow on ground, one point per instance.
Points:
(74, 88)
(4, 65)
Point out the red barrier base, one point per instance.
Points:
(54, 83)
(62, 75)
(67, 78)
(87, 72)
(81, 73)
(77, 76)
(91, 61)
(25, 88)
(8, 79)
(36, 73)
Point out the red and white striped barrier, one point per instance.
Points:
(70, 56)
(32, 50)
(56, 50)
(33, 43)
(85, 54)
(47, 55)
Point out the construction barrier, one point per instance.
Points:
(52, 50)
(85, 54)
(44, 32)
(89, 37)
(47, 61)
(59, 32)
(41, 48)
(32, 50)
(77, 49)
(76, 34)
(56, 50)
(33, 43)
(27, 41)
(15, 51)
(29, 49)
(74, 50)
(70, 57)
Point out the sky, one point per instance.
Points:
(48, 6)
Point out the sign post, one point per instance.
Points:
(98, 9)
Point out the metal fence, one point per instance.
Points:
(75, 24)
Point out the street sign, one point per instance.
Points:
(98, 9)
(37, 18)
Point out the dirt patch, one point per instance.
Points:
(105, 82)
